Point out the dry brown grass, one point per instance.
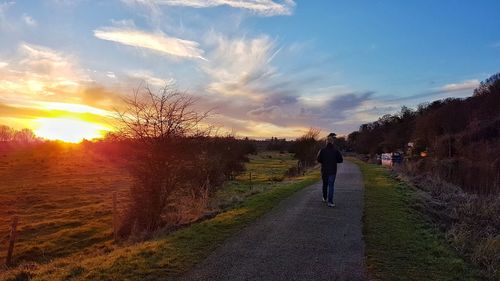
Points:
(62, 195)
(471, 222)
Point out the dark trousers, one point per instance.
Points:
(328, 187)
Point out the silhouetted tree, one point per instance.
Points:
(6, 133)
(157, 125)
(306, 147)
(341, 143)
(24, 136)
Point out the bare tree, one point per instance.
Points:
(24, 136)
(6, 133)
(157, 125)
(152, 117)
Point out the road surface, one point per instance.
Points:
(300, 239)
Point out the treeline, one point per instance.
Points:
(460, 137)
(8, 135)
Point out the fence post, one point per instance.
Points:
(12, 241)
(115, 217)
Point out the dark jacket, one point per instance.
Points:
(329, 156)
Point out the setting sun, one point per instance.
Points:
(68, 130)
(182, 139)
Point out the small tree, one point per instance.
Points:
(6, 133)
(306, 147)
(156, 125)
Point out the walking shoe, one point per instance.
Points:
(331, 205)
(324, 200)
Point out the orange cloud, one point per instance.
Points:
(41, 87)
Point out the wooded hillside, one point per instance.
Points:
(461, 137)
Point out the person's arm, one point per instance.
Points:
(318, 158)
(340, 159)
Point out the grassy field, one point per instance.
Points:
(62, 196)
(400, 245)
(72, 238)
(262, 173)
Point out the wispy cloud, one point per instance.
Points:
(157, 41)
(270, 112)
(242, 71)
(48, 64)
(461, 86)
(238, 66)
(465, 86)
(260, 7)
(145, 76)
(39, 73)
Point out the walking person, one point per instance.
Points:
(329, 156)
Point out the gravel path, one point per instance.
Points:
(300, 239)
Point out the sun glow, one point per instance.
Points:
(68, 130)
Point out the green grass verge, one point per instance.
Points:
(266, 169)
(166, 257)
(400, 245)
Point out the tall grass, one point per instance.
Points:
(471, 222)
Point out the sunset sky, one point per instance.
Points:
(269, 68)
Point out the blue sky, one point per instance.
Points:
(269, 68)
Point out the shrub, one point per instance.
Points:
(306, 148)
(169, 153)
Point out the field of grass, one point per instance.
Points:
(62, 196)
(262, 172)
(73, 238)
(400, 245)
